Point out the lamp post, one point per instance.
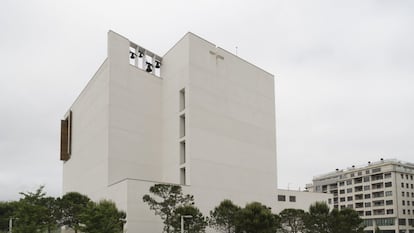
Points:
(182, 221)
(11, 224)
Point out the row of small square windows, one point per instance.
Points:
(283, 198)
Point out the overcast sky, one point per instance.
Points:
(344, 74)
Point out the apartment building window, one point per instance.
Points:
(388, 202)
(349, 198)
(359, 197)
(387, 175)
(348, 182)
(367, 187)
(402, 222)
(367, 204)
(412, 186)
(358, 188)
(402, 185)
(376, 177)
(292, 198)
(360, 173)
(390, 211)
(281, 197)
(402, 176)
(349, 190)
(385, 222)
(368, 213)
(376, 170)
(378, 203)
(388, 184)
(403, 202)
(350, 206)
(403, 211)
(406, 185)
(388, 193)
(403, 194)
(367, 196)
(379, 212)
(342, 199)
(341, 183)
(366, 178)
(378, 194)
(342, 191)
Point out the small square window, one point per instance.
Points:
(281, 197)
(292, 198)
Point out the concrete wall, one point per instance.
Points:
(135, 140)
(87, 169)
(303, 200)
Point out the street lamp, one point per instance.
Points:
(11, 224)
(182, 221)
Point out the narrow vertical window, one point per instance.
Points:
(182, 152)
(182, 99)
(182, 126)
(182, 176)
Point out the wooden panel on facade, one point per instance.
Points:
(64, 142)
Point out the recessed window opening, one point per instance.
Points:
(182, 99)
(182, 176)
(182, 152)
(182, 126)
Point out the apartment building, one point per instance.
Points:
(381, 192)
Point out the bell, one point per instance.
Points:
(149, 67)
(157, 64)
(140, 55)
(133, 55)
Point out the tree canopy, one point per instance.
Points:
(196, 223)
(36, 212)
(72, 205)
(256, 218)
(102, 217)
(292, 220)
(165, 200)
(223, 217)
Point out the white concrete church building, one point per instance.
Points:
(198, 116)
